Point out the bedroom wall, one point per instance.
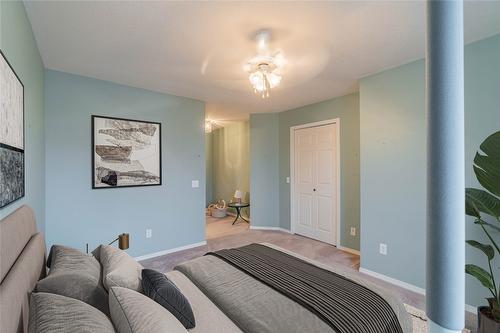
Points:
(264, 169)
(346, 108)
(19, 47)
(77, 214)
(393, 161)
(231, 161)
(208, 170)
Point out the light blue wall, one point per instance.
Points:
(264, 169)
(19, 46)
(346, 108)
(209, 189)
(76, 214)
(393, 161)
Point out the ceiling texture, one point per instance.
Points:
(199, 49)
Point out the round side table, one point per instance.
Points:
(238, 207)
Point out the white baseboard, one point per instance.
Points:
(253, 227)
(348, 249)
(396, 282)
(177, 249)
(405, 285)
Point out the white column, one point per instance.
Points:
(445, 283)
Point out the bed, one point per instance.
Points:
(228, 292)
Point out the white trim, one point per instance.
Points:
(335, 121)
(471, 309)
(408, 286)
(253, 227)
(396, 282)
(348, 249)
(176, 249)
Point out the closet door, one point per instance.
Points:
(315, 182)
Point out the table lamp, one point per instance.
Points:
(238, 195)
(123, 241)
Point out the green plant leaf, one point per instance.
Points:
(470, 207)
(487, 249)
(479, 200)
(487, 166)
(481, 275)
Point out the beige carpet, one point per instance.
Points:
(420, 320)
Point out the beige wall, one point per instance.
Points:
(230, 161)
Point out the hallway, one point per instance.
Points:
(220, 227)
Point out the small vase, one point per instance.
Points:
(484, 323)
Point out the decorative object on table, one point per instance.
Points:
(477, 203)
(11, 134)
(238, 207)
(123, 241)
(125, 152)
(218, 209)
(238, 195)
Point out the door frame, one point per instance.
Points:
(336, 122)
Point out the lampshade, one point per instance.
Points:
(238, 194)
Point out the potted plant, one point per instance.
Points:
(479, 202)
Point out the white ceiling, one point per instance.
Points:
(198, 49)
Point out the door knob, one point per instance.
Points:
(314, 189)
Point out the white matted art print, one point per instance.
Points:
(11, 107)
(125, 152)
(11, 134)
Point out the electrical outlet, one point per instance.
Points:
(288, 180)
(353, 231)
(383, 249)
(195, 183)
(149, 233)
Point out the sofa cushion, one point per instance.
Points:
(159, 288)
(133, 312)
(52, 313)
(75, 274)
(120, 269)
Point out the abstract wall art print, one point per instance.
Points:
(11, 134)
(125, 152)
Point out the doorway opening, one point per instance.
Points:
(227, 150)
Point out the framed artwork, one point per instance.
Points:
(11, 134)
(125, 152)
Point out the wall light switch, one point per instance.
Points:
(383, 249)
(288, 180)
(353, 231)
(195, 183)
(149, 233)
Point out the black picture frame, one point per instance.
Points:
(92, 134)
(16, 149)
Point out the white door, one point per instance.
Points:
(315, 182)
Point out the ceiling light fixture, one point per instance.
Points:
(211, 125)
(265, 70)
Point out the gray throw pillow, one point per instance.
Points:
(159, 288)
(52, 313)
(77, 275)
(132, 312)
(119, 269)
